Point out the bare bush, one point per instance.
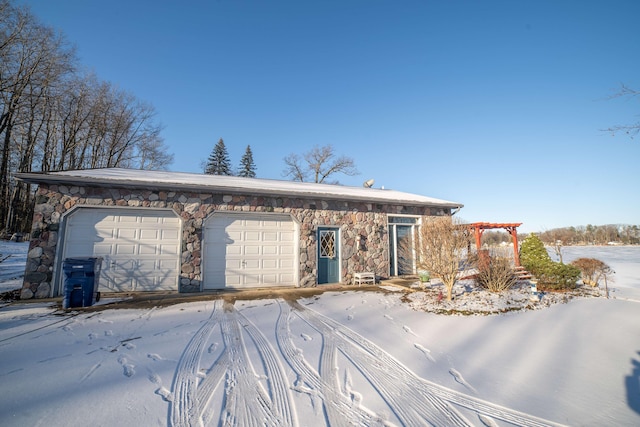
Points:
(592, 270)
(441, 249)
(496, 274)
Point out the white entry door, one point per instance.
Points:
(249, 250)
(140, 247)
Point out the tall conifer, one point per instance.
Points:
(247, 167)
(218, 162)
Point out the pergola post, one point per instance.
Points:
(479, 227)
(478, 233)
(516, 253)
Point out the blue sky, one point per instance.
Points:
(499, 105)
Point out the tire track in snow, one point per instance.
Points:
(246, 402)
(393, 385)
(208, 386)
(338, 409)
(279, 387)
(428, 390)
(486, 408)
(249, 400)
(184, 410)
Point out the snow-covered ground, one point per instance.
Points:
(340, 358)
(13, 257)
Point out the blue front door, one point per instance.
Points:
(328, 259)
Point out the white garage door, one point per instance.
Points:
(249, 250)
(140, 247)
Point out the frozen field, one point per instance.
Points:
(625, 261)
(339, 359)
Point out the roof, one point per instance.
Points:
(135, 178)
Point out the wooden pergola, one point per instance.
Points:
(479, 227)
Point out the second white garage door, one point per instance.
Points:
(249, 250)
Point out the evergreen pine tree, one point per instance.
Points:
(218, 162)
(533, 255)
(247, 167)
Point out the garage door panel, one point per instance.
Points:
(270, 250)
(149, 220)
(230, 234)
(271, 237)
(271, 279)
(96, 249)
(233, 263)
(101, 234)
(148, 250)
(251, 278)
(251, 236)
(233, 280)
(252, 250)
(168, 250)
(252, 246)
(270, 263)
(140, 247)
(124, 219)
(125, 249)
(251, 223)
(146, 265)
(286, 250)
(169, 265)
(266, 225)
(250, 264)
(285, 264)
(152, 234)
(127, 233)
(232, 250)
(169, 234)
(115, 282)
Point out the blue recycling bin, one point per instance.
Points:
(81, 279)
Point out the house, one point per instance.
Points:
(189, 232)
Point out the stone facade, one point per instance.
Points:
(355, 219)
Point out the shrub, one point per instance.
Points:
(496, 274)
(557, 276)
(533, 254)
(551, 275)
(592, 270)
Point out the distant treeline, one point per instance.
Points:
(624, 234)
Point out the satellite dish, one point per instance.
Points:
(368, 184)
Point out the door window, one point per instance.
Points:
(327, 243)
(402, 230)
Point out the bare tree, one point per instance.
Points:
(53, 118)
(630, 129)
(556, 239)
(33, 60)
(441, 248)
(317, 165)
(152, 154)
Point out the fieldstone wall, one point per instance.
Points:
(368, 221)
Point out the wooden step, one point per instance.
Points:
(522, 274)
